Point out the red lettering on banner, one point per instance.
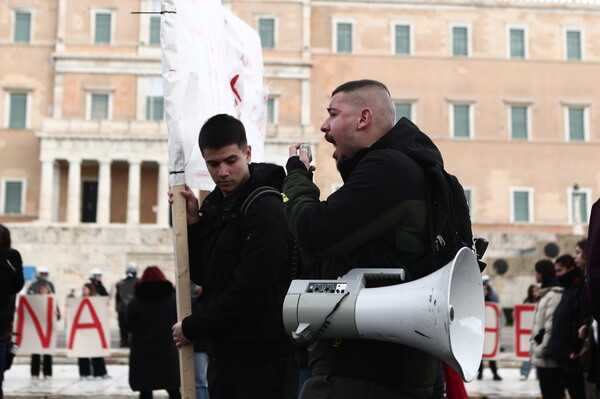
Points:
(45, 339)
(96, 324)
(522, 329)
(493, 331)
(238, 99)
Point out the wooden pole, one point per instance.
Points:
(184, 300)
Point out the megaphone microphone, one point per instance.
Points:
(442, 313)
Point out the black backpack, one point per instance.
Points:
(449, 219)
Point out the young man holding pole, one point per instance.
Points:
(240, 253)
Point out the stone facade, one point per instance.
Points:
(93, 189)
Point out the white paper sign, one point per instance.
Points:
(87, 327)
(35, 324)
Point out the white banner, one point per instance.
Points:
(87, 327)
(212, 64)
(35, 324)
(491, 341)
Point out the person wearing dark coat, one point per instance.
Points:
(153, 356)
(593, 262)
(11, 282)
(564, 343)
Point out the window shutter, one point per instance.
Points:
(18, 110)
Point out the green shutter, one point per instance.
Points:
(154, 30)
(18, 110)
(461, 121)
(22, 27)
(266, 31)
(517, 43)
(344, 38)
(518, 123)
(102, 28)
(576, 124)
(460, 43)
(154, 108)
(468, 196)
(581, 199)
(270, 110)
(402, 39)
(99, 106)
(573, 45)
(403, 110)
(13, 197)
(521, 205)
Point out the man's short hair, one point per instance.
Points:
(358, 85)
(566, 260)
(545, 267)
(220, 131)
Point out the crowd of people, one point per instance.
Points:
(260, 228)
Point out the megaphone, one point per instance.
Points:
(442, 313)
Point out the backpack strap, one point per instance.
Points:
(254, 195)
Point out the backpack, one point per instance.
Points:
(449, 219)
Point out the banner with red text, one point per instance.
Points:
(491, 341)
(523, 316)
(35, 324)
(87, 327)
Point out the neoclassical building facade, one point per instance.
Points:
(506, 88)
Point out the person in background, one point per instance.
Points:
(41, 278)
(96, 279)
(124, 294)
(548, 372)
(532, 298)
(97, 366)
(489, 296)
(565, 344)
(11, 282)
(45, 360)
(153, 356)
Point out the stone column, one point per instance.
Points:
(74, 192)
(46, 191)
(133, 193)
(104, 183)
(162, 204)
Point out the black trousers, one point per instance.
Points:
(551, 383)
(45, 361)
(273, 379)
(329, 387)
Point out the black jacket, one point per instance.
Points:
(243, 263)
(378, 218)
(568, 317)
(11, 282)
(153, 356)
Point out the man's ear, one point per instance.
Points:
(248, 153)
(366, 118)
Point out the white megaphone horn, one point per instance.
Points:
(442, 313)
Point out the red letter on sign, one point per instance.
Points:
(523, 325)
(45, 339)
(94, 325)
(492, 330)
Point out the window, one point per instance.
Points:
(13, 194)
(468, 197)
(266, 31)
(519, 129)
(22, 33)
(402, 39)
(579, 210)
(517, 42)
(573, 39)
(17, 118)
(521, 204)
(154, 38)
(460, 41)
(155, 99)
(99, 106)
(576, 123)
(461, 120)
(343, 43)
(102, 29)
(403, 110)
(271, 111)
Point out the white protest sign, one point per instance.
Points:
(491, 340)
(36, 324)
(87, 327)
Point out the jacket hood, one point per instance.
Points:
(153, 290)
(406, 137)
(573, 277)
